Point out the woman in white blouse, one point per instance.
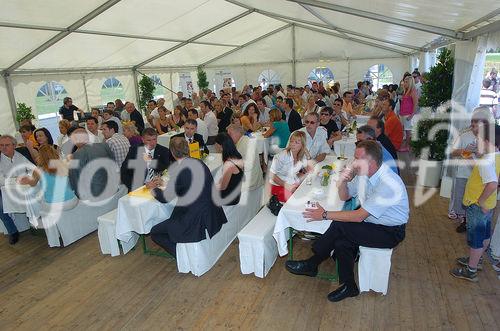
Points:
(290, 167)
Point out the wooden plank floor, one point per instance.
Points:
(78, 288)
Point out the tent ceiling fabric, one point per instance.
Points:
(96, 51)
(182, 20)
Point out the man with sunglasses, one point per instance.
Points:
(316, 137)
(339, 116)
(332, 130)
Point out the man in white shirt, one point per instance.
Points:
(252, 171)
(95, 135)
(210, 121)
(263, 112)
(489, 98)
(12, 165)
(379, 222)
(202, 127)
(316, 137)
(108, 116)
(178, 100)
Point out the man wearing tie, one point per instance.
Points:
(191, 135)
(144, 162)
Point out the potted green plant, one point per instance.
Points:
(24, 112)
(146, 87)
(431, 138)
(202, 79)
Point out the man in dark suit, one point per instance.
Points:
(135, 116)
(195, 213)
(192, 136)
(145, 162)
(291, 116)
(378, 125)
(104, 180)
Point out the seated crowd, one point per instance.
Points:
(302, 124)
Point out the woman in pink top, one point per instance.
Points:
(409, 104)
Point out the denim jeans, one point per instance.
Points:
(478, 226)
(8, 222)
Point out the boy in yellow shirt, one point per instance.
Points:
(480, 199)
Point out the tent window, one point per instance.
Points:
(159, 91)
(321, 74)
(111, 90)
(49, 98)
(268, 77)
(379, 75)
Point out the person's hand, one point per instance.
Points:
(24, 180)
(330, 141)
(146, 157)
(483, 209)
(29, 144)
(347, 174)
(409, 117)
(291, 187)
(314, 214)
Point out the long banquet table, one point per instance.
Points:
(290, 215)
(138, 214)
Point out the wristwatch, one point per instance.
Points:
(324, 215)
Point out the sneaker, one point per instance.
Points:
(493, 259)
(464, 273)
(452, 215)
(465, 262)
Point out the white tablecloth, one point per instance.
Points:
(22, 199)
(290, 214)
(262, 144)
(137, 215)
(164, 139)
(348, 144)
(362, 120)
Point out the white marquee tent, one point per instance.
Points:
(94, 50)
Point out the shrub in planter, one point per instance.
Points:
(431, 139)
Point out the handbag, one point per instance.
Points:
(274, 205)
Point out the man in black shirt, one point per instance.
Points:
(378, 125)
(325, 120)
(68, 108)
(135, 116)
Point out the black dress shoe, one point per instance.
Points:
(14, 238)
(302, 268)
(343, 292)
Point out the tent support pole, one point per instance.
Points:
(136, 86)
(12, 99)
(85, 91)
(294, 58)
(348, 72)
(171, 89)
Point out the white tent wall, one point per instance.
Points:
(26, 88)
(94, 83)
(6, 121)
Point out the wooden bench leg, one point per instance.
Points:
(159, 252)
(330, 277)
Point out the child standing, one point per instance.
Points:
(480, 199)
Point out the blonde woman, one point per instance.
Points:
(409, 106)
(311, 106)
(290, 167)
(130, 131)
